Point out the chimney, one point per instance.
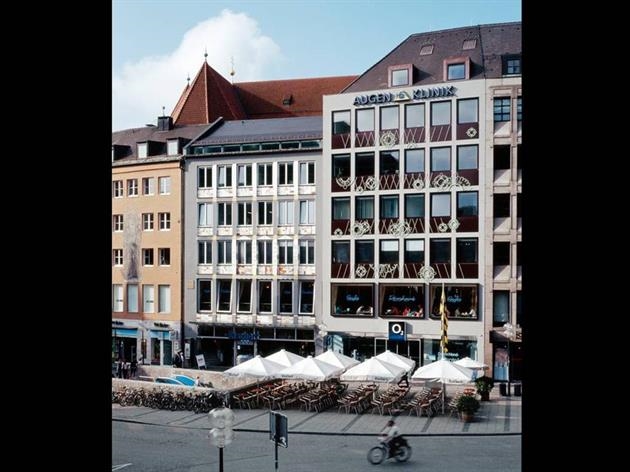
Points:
(165, 123)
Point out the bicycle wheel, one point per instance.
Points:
(376, 455)
(403, 453)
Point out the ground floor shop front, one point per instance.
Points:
(145, 343)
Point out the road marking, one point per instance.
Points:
(118, 467)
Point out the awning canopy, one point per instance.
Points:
(125, 332)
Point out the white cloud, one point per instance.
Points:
(141, 89)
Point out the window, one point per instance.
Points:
(389, 163)
(204, 295)
(502, 157)
(264, 296)
(352, 300)
(341, 165)
(204, 177)
(244, 296)
(519, 109)
(132, 298)
(172, 147)
(117, 256)
(414, 115)
(225, 214)
(245, 175)
(469, 44)
(165, 185)
(500, 307)
(399, 77)
(467, 157)
(285, 213)
(204, 252)
(118, 223)
(414, 161)
(440, 251)
(165, 221)
(441, 159)
(164, 255)
(341, 252)
(440, 113)
(414, 206)
(285, 173)
(364, 252)
(511, 65)
(143, 150)
(285, 252)
(117, 297)
(389, 118)
(147, 256)
(364, 164)
(402, 301)
(224, 287)
(307, 252)
(340, 122)
(307, 173)
(286, 297)
(307, 212)
(244, 214)
(205, 215)
(364, 207)
(389, 252)
(365, 120)
(148, 186)
(456, 71)
(148, 299)
(501, 205)
(265, 213)
(265, 174)
(224, 248)
(341, 208)
(306, 297)
(426, 50)
(132, 187)
(468, 110)
(461, 302)
(118, 188)
(389, 206)
(414, 251)
(467, 250)
(225, 176)
(244, 252)
(501, 109)
(500, 253)
(440, 204)
(467, 204)
(265, 255)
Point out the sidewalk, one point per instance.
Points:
(501, 415)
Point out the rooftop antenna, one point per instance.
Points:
(163, 110)
(232, 71)
(205, 53)
(188, 79)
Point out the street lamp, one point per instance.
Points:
(509, 332)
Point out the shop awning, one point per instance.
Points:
(156, 334)
(124, 332)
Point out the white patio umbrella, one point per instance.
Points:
(445, 372)
(311, 369)
(471, 363)
(397, 359)
(338, 359)
(285, 358)
(374, 370)
(258, 367)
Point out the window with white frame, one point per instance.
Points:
(414, 251)
(164, 256)
(224, 248)
(364, 207)
(285, 212)
(244, 175)
(245, 214)
(118, 257)
(307, 212)
(224, 289)
(165, 221)
(244, 304)
(148, 299)
(143, 150)
(414, 205)
(147, 256)
(341, 208)
(389, 206)
(456, 71)
(117, 298)
(204, 295)
(441, 159)
(307, 251)
(307, 289)
(285, 173)
(265, 252)
(440, 113)
(414, 115)
(118, 223)
(389, 118)
(414, 161)
(264, 296)
(165, 185)
(440, 204)
(341, 122)
(399, 77)
(118, 189)
(204, 252)
(132, 187)
(172, 147)
(225, 176)
(265, 174)
(164, 298)
(468, 110)
(225, 214)
(148, 185)
(244, 252)
(307, 173)
(501, 109)
(389, 252)
(205, 215)
(147, 222)
(365, 120)
(467, 157)
(204, 177)
(285, 252)
(132, 298)
(286, 297)
(265, 213)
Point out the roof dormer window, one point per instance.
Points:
(400, 76)
(143, 149)
(457, 68)
(172, 147)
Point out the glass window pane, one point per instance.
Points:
(414, 161)
(414, 115)
(467, 204)
(364, 207)
(440, 113)
(400, 77)
(441, 204)
(341, 208)
(389, 206)
(341, 122)
(467, 110)
(365, 119)
(466, 157)
(414, 206)
(456, 71)
(389, 118)
(440, 159)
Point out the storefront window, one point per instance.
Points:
(461, 301)
(352, 300)
(457, 349)
(402, 301)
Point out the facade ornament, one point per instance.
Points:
(418, 184)
(344, 183)
(370, 183)
(471, 132)
(386, 270)
(359, 228)
(399, 228)
(388, 139)
(453, 224)
(427, 273)
(361, 271)
(338, 232)
(442, 227)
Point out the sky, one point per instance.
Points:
(157, 44)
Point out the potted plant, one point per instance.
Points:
(484, 385)
(467, 405)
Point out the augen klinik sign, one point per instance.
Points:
(418, 94)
